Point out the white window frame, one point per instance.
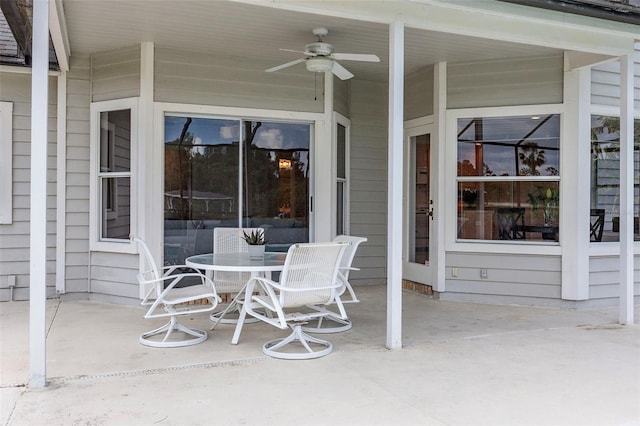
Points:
(318, 230)
(6, 162)
(451, 182)
(340, 119)
(96, 243)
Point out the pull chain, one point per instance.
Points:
(315, 86)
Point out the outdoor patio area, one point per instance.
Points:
(462, 363)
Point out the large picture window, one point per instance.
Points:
(508, 178)
(605, 177)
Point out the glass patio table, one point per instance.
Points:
(236, 262)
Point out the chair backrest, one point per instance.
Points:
(148, 268)
(310, 271)
(229, 240)
(349, 252)
(509, 221)
(597, 224)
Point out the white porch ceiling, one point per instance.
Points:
(256, 33)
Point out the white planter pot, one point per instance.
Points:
(256, 252)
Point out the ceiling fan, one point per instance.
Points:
(319, 57)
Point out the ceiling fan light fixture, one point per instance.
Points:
(319, 64)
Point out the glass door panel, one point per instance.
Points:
(419, 238)
(276, 181)
(200, 183)
(204, 166)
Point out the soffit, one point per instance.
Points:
(255, 34)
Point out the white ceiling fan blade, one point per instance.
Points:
(295, 51)
(341, 72)
(356, 57)
(288, 64)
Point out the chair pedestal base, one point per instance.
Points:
(199, 336)
(272, 347)
(327, 325)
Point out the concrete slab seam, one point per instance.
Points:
(157, 370)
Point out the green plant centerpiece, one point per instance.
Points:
(255, 240)
(548, 200)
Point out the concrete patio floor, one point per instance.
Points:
(462, 364)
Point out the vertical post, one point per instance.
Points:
(438, 149)
(394, 208)
(61, 184)
(38, 208)
(626, 190)
(575, 199)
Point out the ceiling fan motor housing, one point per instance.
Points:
(319, 48)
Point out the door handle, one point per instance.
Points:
(430, 214)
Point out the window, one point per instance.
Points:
(508, 177)
(113, 149)
(6, 144)
(223, 172)
(605, 175)
(342, 190)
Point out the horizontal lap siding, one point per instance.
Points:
(605, 82)
(114, 274)
(604, 277)
(418, 94)
(523, 81)
(195, 78)
(77, 178)
(521, 276)
(341, 91)
(368, 184)
(15, 237)
(115, 74)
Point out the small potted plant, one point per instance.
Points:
(256, 242)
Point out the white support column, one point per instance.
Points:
(148, 218)
(626, 190)
(575, 198)
(61, 185)
(38, 207)
(438, 148)
(324, 189)
(394, 196)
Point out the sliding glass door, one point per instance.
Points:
(212, 180)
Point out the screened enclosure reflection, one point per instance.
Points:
(509, 178)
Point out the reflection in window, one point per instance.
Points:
(508, 178)
(211, 180)
(605, 174)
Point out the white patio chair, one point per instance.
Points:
(169, 297)
(328, 324)
(229, 240)
(308, 278)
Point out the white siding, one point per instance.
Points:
(77, 203)
(605, 82)
(196, 78)
(524, 278)
(115, 74)
(369, 179)
(114, 274)
(14, 237)
(341, 93)
(418, 94)
(604, 278)
(525, 81)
